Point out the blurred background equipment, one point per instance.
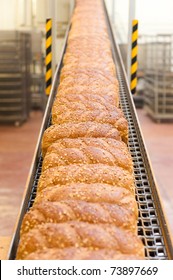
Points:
(15, 82)
(38, 99)
(159, 77)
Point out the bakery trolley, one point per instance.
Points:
(152, 225)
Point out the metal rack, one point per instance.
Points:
(152, 227)
(159, 77)
(15, 59)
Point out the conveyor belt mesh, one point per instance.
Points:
(148, 223)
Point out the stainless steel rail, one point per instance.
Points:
(152, 227)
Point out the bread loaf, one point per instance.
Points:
(92, 34)
(67, 98)
(94, 203)
(69, 58)
(79, 234)
(108, 66)
(75, 130)
(102, 92)
(88, 151)
(95, 193)
(83, 79)
(86, 173)
(78, 210)
(86, 106)
(87, 41)
(115, 117)
(89, 74)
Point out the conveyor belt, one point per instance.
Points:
(152, 227)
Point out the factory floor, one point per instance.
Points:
(17, 146)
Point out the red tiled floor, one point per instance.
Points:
(17, 146)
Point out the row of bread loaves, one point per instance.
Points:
(85, 207)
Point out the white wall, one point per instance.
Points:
(15, 14)
(8, 14)
(62, 10)
(155, 16)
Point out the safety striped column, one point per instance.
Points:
(134, 53)
(48, 77)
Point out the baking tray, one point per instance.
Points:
(152, 226)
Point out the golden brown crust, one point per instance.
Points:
(87, 106)
(68, 97)
(95, 193)
(85, 173)
(104, 92)
(109, 67)
(85, 43)
(80, 81)
(73, 253)
(69, 58)
(63, 114)
(79, 210)
(88, 151)
(75, 130)
(94, 33)
(89, 73)
(88, 39)
(94, 203)
(87, 78)
(79, 234)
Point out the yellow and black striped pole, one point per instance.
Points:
(48, 55)
(134, 53)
